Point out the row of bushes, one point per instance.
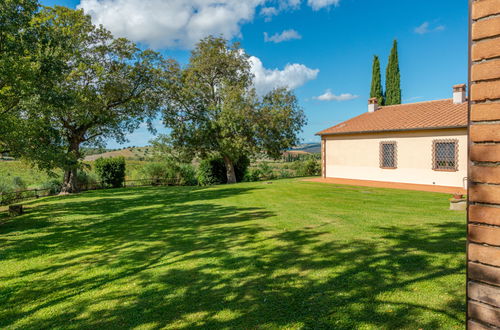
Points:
(110, 172)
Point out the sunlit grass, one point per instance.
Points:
(289, 254)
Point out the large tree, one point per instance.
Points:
(18, 66)
(105, 88)
(212, 107)
(376, 88)
(393, 78)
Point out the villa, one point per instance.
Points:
(417, 143)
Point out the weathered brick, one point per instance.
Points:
(473, 325)
(485, 254)
(484, 313)
(484, 273)
(484, 193)
(485, 8)
(484, 293)
(485, 132)
(484, 234)
(486, 28)
(485, 152)
(489, 90)
(485, 174)
(486, 70)
(485, 111)
(484, 214)
(485, 49)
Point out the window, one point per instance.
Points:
(388, 155)
(445, 155)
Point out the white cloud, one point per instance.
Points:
(292, 76)
(319, 4)
(181, 23)
(427, 27)
(329, 96)
(172, 23)
(283, 36)
(269, 12)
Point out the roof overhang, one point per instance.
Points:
(392, 130)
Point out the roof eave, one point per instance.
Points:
(392, 130)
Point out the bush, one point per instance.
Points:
(283, 174)
(266, 171)
(6, 188)
(182, 174)
(53, 186)
(111, 171)
(87, 181)
(213, 170)
(18, 183)
(252, 175)
(310, 167)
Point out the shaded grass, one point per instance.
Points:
(285, 255)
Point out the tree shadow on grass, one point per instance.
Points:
(176, 257)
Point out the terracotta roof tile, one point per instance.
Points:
(422, 115)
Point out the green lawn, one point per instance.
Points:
(289, 255)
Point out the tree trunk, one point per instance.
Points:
(230, 173)
(70, 183)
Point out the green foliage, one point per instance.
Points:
(213, 170)
(213, 108)
(310, 167)
(104, 87)
(53, 186)
(376, 88)
(393, 78)
(111, 171)
(87, 180)
(169, 171)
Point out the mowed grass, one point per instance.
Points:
(288, 255)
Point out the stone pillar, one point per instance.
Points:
(483, 241)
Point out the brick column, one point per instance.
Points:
(323, 157)
(483, 255)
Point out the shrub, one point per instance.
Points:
(310, 167)
(266, 171)
(182, 174)
(6, 188)
(213, 170)
(87, 181)
(53, 186)
(252, 175)
(283, 174)
(111, 171)
(18, 183)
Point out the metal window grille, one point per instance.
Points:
(388, 154)
(445, 155)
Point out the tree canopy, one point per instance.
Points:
(103, 88)
(212, 107)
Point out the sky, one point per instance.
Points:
(322, 49)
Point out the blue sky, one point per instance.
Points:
(330, 45)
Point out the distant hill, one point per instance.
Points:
(135, 153)
(311, 148)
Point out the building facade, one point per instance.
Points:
(418, 143)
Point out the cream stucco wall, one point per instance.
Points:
(356, 156)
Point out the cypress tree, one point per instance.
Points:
(393, 78)
(376, 90)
